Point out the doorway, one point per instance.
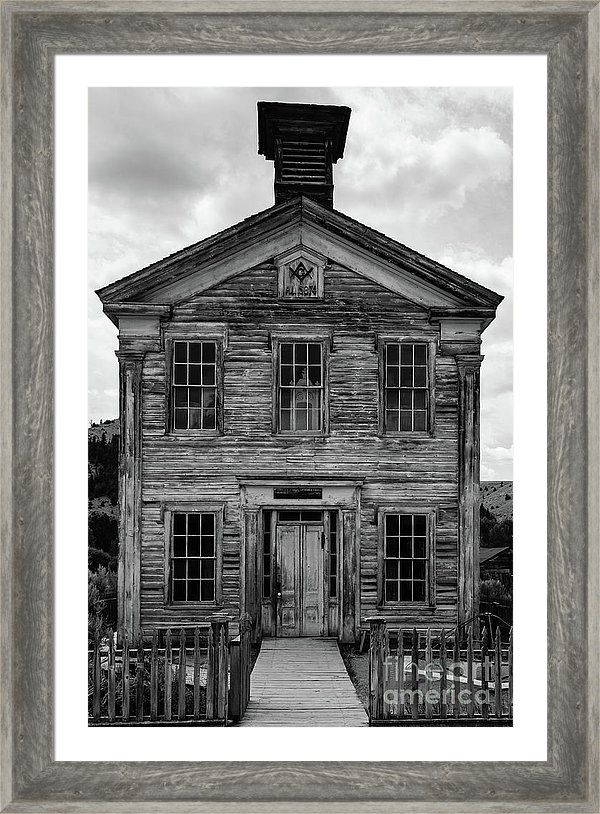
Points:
(300, 542)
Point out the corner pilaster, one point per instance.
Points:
(468, 366)
(130, 492)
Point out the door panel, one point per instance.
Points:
(300, 563)
(312, 581)
(288, 556)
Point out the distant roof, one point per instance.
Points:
(486, 554)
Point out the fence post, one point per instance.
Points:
(246, 654)
(376, 667)
(498, 675)
(443, 680)
(111, 676)
(414, 673)
(125, 671)
(218, 670)
(139, 681)
(196, 673)
(97, 679)
(235, 690)
(168, 677)
(181, 676)
(154, 677)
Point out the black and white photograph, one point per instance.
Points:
(300, 394)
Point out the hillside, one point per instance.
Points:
(497, 498)
(108, 428)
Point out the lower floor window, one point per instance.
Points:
(405, 558)
(193, 557)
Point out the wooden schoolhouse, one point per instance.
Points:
(299, 417)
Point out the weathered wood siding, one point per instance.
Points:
(395, 470)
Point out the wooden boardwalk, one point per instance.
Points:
(302, 682)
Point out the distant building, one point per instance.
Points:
(299, 413)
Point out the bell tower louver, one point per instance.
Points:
(304, 141)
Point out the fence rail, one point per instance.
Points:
(184, 680)
(428, 677)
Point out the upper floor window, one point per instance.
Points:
(406, 387)
(405, 558)
(300, 386)
(194, 385)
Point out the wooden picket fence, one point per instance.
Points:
(178, 682)
(431, 677)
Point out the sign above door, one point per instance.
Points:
(297, 493)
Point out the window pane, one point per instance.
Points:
(208, 524)
(180, 374)
(179, 567)
(420, 354)
(391, 525)
(180, 351)
(391, 569)
(332, 587)
(420, 547)
(181, 419)
(286, 419)
(179, 591)
(406, 524)
(287, 375)
(287, 356)
(195, 352)
(391, 591)
(419, 399)
(301, 419)
(314, 354)
(194, 569)
(208, 590)
(208, 547)
(181, 396)
(406, 592)
(406, 397)
(195, 374)
(406, 355)
(420, 421)
(405, 421)
(195, 419)
(391, 399)
(406, 376)
(420, 525)
(179, 523)
(405, 569)
(193, 592)
(391, 420)
(193, 526)
(314, 375)
(209, 419)
(418, 592)
(208, 374)
(419, 569)
(391, 547)
(193, 546)
(209, 351)
(420, 376)
(300, 353)
(405, 547)
(392, 357)
(208, 569)
(286, 399)
(179, 548)
(209, 396)
(392, 377)
(195, 396)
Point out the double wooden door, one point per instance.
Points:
(300, 561)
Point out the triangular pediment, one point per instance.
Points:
(300, 237)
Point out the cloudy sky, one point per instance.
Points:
(430, 167)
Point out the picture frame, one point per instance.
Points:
(33, 33)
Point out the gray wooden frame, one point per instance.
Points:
(33, 32)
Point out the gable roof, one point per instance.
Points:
(301, 221)
(487, 554)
